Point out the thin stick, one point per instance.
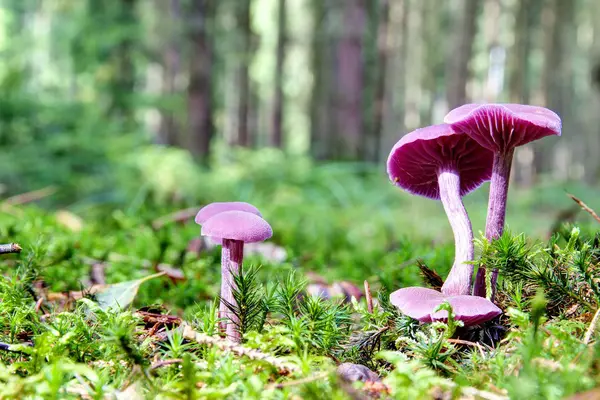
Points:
(298, 381)
(592, 328)
(584, 206)
(468, 343)
(165, 363)
(178, 216)
(368, 297)
(10, 248)
(283, 367)
(28, 197)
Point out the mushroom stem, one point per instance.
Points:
(458, 281)
(232, 255)
(494, 225)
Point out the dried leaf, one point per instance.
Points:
(121, 294)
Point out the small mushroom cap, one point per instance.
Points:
(213, 209)
(237, 225)
(500, 127)
(414, 162)
(420, 303)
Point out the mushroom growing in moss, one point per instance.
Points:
(213, 209)
(501, 128)
(441, 163)
(234, 228)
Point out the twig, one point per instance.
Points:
(178, 216)
(10, 248)
(283, 367)
(368, 297)
(592, 328)
(165, 363)
(584, 206)
(28, 197)
(297, 382)
(468, 343)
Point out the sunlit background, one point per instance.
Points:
(292, 105)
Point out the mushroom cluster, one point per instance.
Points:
(445, 162)
(231, 224)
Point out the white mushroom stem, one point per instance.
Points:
(458, 281)
(232, 255)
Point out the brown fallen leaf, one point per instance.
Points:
(69, 220)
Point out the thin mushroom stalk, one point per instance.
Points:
(496, 214)
(458, 281)
(501, 128)
(232, 256)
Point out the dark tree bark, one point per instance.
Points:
(122, 85)
(199, 89)
(461, 51)
(349, 80)
(321, 62)
(168, 134)
(380, 94)
(278, 102)
(244, 23)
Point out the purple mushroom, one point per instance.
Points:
(234, 228)
(419, 303)
(215, 208)
(439, 162)
(218, 207)
(501, 128)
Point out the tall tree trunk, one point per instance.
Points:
(169, 130)
(123, 84)
(349, 80)
(459, 58)
(557, 76)
(278, 106)
(380, 93)
(526, 21)
(245, 26)
(199, 89)
(396, 83)
(320, 117)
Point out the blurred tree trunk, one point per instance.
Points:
(122, 85)
(349, 80)
(557, 76)
(278, 102)
(526, 22)
(461, 52)
(380, 93)
(244, 19)
(321, 60)
(199, 89)
(168, 133)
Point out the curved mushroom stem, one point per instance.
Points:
(232, 255)
(494, 225)
(458, 281)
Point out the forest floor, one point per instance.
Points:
(122, 302)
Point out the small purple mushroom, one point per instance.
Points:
(441, 163)
(215, 208)
(501, 128)
(419, 303)
(218, 207)
(234, 228)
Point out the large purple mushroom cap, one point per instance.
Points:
(414, 162)
(213, 209)
(500, 127)
(237, 225)
(420, 303)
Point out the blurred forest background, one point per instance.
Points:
(100, 94)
